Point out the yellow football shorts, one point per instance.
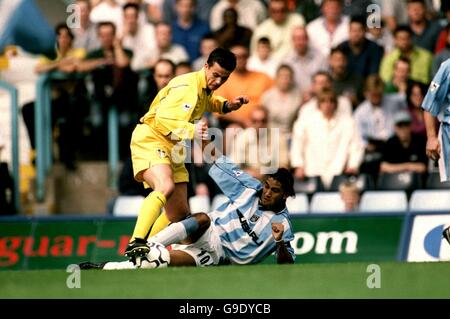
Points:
(149, 148)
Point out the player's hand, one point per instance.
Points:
(237, 102)
(277, 231)
(201, 130)
(433, 149)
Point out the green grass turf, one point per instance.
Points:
(343, 280)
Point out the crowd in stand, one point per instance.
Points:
(342, 81)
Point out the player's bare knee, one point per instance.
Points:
(203, 220)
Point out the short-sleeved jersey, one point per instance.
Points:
(244, 226)
(437, 99)
(178, 105)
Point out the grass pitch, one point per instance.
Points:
(343, 280)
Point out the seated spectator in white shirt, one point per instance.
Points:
(139, 38)
(322, 80)
(326, 144)
(304, 60)
(262, 60)
(278, 28)
(250, 12)
(329, 30)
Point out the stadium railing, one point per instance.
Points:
(15, 139)
(43, 132)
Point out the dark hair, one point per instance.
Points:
(131, 5)
(423, 89)
(359, 19)
(105, 24)
(403, 28)
(285, 178)
(417, 1)
(63, 26)
(167, 61)
(225, 58)
(337, 50)
(264, 40)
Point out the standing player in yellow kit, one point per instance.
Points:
(172, 118)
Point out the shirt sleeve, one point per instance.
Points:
(216, 104)
(231, 179)
(174, 112)
(437, 91)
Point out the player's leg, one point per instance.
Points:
(160, 178)
(177, 207)
(181, 258)
(188, 230)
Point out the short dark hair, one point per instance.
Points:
(358, 19)
(106, 24)
(131, 5)
(225, 58)
(264, 40)
(285, 178)
(63, 26)
(403, 28)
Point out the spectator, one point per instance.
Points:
(380, 35)
(363, 56)
(202, 10)
(163, 72)
(138, 38)
(282, 102)
(182, 67)
(322, 80)
(345, 82)
(243, 81)
(405, 151)
(443, 55)
(107, 11)
(421, 60)
(188, 30)
(442, 39)
(232, 33)
(257, 148)
(415, 94)
(154, 10)
(304, 60)
(262, 60)
(207, 45)
(329, 30)
(250, 12)
(400, 77)
(115, 84)
(394, 13)
(277, 28)
(325, 143)
(350, 196)
(425, 32)
(67, 105)
(85, 36)
(165, 49)
(357, 8)
(374, 116)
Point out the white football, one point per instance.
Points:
(157, 257)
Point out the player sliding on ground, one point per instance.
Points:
(171, 119)
(253, 224)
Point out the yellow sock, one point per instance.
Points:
(149, 212)
(161, 223)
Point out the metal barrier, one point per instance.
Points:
(15, 139)
(43, 133)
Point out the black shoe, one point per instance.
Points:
(90, 265)
(138, 248)
(446, 234)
